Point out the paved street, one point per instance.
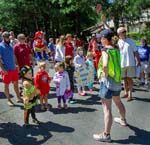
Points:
(76, 125)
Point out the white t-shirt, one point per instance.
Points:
(127, 48)
(60, 53)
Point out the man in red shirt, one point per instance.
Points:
(22, 52)
(69, 46)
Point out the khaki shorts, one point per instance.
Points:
(128, 72)
(145, 67)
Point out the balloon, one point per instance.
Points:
(98, 8)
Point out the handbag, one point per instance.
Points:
(68, 94)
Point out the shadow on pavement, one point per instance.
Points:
(93, 100)
(33, 135)
(18, 135)
(2, 95)
(142, 99)
(71, 110)
(141, 137)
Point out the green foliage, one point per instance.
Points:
(63, 16)
(137, 36)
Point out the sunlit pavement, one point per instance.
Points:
(77, 124)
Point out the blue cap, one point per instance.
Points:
(107, 33)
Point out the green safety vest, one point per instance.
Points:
(114, 65)
(29, 106)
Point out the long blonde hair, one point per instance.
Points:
(61, 40)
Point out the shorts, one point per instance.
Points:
(145, 67)
(12, 76)
(128, 72)
(105, 93)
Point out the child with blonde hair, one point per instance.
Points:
(42, 82)
(62, 82)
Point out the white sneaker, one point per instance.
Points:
(102, 137)
(120, 121)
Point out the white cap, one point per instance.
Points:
(121, 29)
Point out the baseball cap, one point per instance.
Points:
(107, 33)
(121, 29)
(5, 34)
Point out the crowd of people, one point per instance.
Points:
(108, 60)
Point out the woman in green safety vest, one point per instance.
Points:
(109, 73)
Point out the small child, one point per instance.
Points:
(70, 69)
(90, 63)
(29, 95)
(51, 47)
(79, 61)
(42, 82)
(61, 79)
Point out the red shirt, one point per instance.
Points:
(69, 49)
(80, 43)
(41, 82)
(92, 45)
(22, 53)
(97, 54)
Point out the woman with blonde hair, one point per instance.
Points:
(60, 50)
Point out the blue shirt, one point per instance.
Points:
(144, 52)
(7, 55)
(51, 46)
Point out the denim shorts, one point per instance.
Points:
(106, 93)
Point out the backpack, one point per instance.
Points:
(114, 65)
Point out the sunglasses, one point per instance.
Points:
(123, 32)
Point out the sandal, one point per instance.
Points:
(129, 99)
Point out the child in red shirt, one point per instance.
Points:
(42, 82)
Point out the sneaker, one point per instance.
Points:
(47, 108)
(72, 101)
(19, 100)
(42, 107)
(120, 121)
(59, 107)
(65, 106)
(36, 121)
(102, 137)
(90, 90)
(10, 103)
(82, 93)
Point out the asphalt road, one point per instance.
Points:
(76, 125)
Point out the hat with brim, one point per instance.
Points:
(121, 29)
(24, 70)
(107, 33)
